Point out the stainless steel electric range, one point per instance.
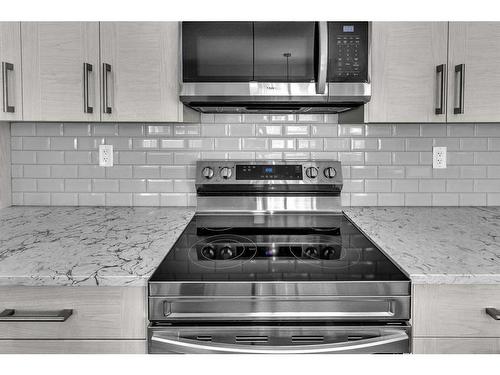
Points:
(269, 264)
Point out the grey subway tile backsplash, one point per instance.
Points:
(383, 164)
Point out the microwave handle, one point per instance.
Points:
(376, 344)
(323, 58)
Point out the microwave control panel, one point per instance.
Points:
(348, 50)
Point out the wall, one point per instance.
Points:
(5, 192)
(154, 163)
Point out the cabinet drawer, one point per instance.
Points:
(456, 345)
(73, 346)
(455, 310)
(97, 312)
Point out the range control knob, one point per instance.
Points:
(330, 172)
(208, 252)
(226, 173)
(207, 172)
(312, 172)
(226, 252)
(311, 252)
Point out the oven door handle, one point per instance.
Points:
(376, 344)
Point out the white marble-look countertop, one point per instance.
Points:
(436, 244)
(70, 246)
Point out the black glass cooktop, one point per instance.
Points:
(274, 248)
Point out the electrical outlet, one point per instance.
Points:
(105, 155)
(439, 157)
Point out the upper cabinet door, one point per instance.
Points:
(11, 104)
(139, 65)
(474, 73)
(408, 72)
(284, 51)
(60, 71)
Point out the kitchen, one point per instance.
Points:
(249, 187)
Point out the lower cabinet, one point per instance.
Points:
(73, 346)
(453, 319)
(73, 320)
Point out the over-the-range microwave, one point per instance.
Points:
(276, 67)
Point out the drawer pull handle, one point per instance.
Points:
(494, 313)
(12, 315)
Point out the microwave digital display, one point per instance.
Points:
(348, 28)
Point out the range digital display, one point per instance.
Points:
(269, 172)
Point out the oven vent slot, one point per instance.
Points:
(303, 339)
(204, 338)
(251, 339)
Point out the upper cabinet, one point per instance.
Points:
(140, 71)
(408, 72)
(10, 59)
(474, 74)
(91, 71)
(60, 71)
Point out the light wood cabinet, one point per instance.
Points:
(141, 82)
(452, 319)
(474, 47)
(405, 84)
(10, 59)
(73, 346)
(109, 318)
(54, 76)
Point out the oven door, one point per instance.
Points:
(277, 339)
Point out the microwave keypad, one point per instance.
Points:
(347, 61)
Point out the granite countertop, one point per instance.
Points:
(436, 245)
(70, 246)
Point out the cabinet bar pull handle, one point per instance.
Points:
(494, 313)
(5, 87)
(106, 68)
(12, 315)
(460, 71)
(87, 68)
(441, 74)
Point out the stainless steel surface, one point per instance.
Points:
(246, 289)
(268, 204)
(335, 92)
(303, 308)
(87, 68)
(280, 339)
(219, 165)
(6, 67)
(12, 315)
(224, 193)
(106, 69)
(323, 58)
(494, 313)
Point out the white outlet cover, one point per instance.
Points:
(105, 155)
(439, 157)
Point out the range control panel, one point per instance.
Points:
(256, 173)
